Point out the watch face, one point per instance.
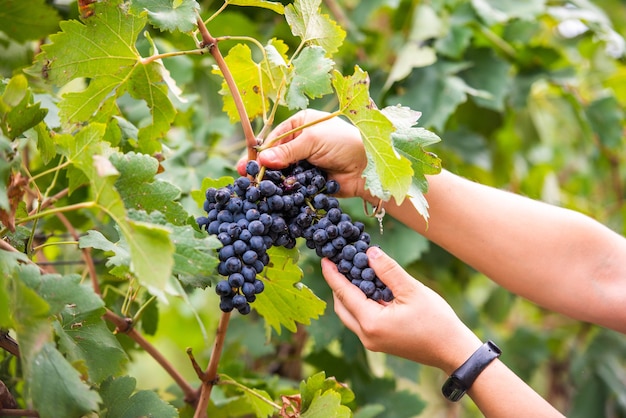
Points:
(453, 389)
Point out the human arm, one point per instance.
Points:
(557, 258)
(420, 326)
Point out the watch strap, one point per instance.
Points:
(462, 378)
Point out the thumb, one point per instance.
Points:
(280, 156)
(390, 272)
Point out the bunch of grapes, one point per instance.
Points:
(250, 216)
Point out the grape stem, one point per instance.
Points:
(268, 144)
(209, 379)
(209, 42)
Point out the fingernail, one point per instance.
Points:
(374, 252)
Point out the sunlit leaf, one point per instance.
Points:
(285, 300)
(311, 77)
(272, 5)
(388, 174)
(313, 27)
(103, 50)
(169, 15)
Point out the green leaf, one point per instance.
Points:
(139, 189)
(121, 254)
(45, 143)
(317, 384)
(285, 299)
(272, 5)
(489, 73)
(103, 50)
(17, 112)
(169, 15)
(146, 242)
(195, 257)
(409, 142)
(388, 174)
(29, 313)
(436, 91)
(25, 20)
(606, 117)
(152, 254)
(496, 11)
(146, 83)
(83, 334)
(311, 77)
(326, 405)
(57, 389)
(256, 398)
(307, 22)
(120, 400)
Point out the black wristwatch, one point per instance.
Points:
(462, 378)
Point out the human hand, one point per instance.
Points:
(333, 145)
(418, 324)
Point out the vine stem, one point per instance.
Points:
(268, 144)
(211, 43)
(86, 252)
(124, 325)
(209, 379)
(155, 57)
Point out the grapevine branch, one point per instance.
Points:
(209, 378)
(210, 42)
(124, 325)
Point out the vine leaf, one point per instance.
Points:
(313, 27)
(168, 15)
(139, 189)
(83, 334)
(388, 174)
(57, 388)
(410, 141)
(285, 299)
(497, 11)
(120, 400)
(323, 397)
(311, 77)
(271, 5)
(103, 50)
(17, 112)
(147, 242)
(253, 83)
(25, 20)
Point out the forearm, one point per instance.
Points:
(514, 398)
(557, 258)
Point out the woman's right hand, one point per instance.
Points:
(333, 145)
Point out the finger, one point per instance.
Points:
(352, 298)
(282, 155)
(346, 316)
(390, 272)
(241, 166)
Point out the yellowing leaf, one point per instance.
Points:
(388, 174)
(252, 83)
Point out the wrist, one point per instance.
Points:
(462, 379)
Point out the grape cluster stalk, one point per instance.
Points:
(252, 215)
